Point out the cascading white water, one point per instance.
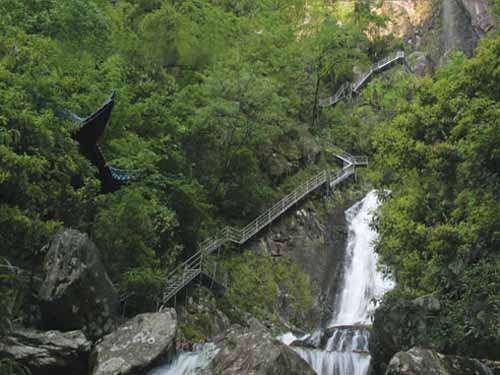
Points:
(362, 283)
(346, 352)
(188, 363)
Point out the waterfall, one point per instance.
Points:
(188, 363)
(341, 348)
(346, 350)
(362, 283)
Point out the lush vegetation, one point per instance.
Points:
(265, 286)
(217, 107)
(439, 225)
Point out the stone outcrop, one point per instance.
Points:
(421, 64)
(297, 151)
(48, 353)
(400, 325)
(419, 361)
(406, 17)
(254, 351)
(481, 15)
(313, 232)
(76, 292)
(437, 27)
(137, 345)
(201, 314)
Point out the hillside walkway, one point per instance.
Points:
(197, 264)
(349, 88)
(185, 272)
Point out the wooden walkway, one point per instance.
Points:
(348, 88)
(184, 273)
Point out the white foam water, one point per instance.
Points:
(363, 283)
(346, 351)
(188, 363)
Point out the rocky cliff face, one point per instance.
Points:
(437, 27)
(481, 15)
(314, 235)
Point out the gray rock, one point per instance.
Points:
(401, 324)
(48, 353)
(481, 14)
(418, 361)
(254, 351)
(76, 292)
(420, 64)
(314, 231)
(137, 345)
(201, 313)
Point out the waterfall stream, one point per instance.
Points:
(343, 346)
(189, 363)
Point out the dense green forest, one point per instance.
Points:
(440, 157)
(216, 107)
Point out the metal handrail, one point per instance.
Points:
(347, 87)
(181, 275)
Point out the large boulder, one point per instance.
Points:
(137, 345)
(48, 353)
(421, 64)
(418, 361)
(76, 292)
(402, 324)
(254, 351)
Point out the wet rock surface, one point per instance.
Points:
(76, 292)
(48, 353)
(312, 232)
(137, 345)
(419, 361)
(253, 350)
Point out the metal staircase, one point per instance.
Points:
(184, 273)
(348, 88)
